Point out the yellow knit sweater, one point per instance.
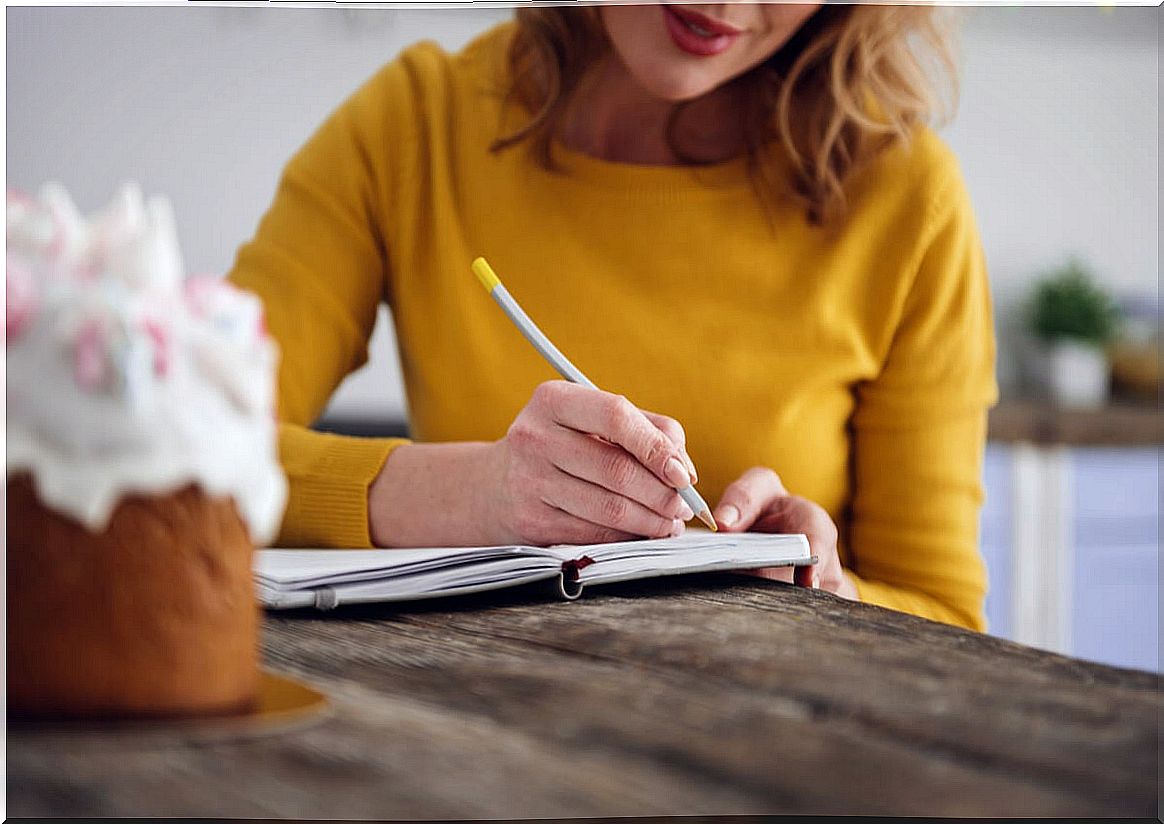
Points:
(856, 361)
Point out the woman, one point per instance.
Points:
(731, 214)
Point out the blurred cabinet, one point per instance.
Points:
(1117, 556)
(1071, 539)
(995, 540)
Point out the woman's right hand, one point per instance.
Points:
(577, 466)
(583, 466)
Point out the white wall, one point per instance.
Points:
(1058, 128)
(204, 105)
(1058, 134)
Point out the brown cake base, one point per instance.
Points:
(154, 617)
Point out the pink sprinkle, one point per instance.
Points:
(160, 337)
(89, 366)
(19, 197)
(20, 298)
(199, 289)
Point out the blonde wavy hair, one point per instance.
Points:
(852, 81)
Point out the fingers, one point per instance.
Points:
(613, 468)
(802, 576)
(605, 509)
(580, 465)
(807, 576)
(619, 421)
(759, 501)
(792, 513)
(674, 430)
(782, 574)
(550, 525)
(746, 498)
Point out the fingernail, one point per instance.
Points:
(727, 515)
(676, 474)
(691, 469)
(676, 529)
(686, 513)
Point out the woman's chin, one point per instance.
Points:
(679, 86)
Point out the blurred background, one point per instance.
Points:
(1057, 132)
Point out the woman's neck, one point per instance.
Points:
(613, 118)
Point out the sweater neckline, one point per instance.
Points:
(727, 175)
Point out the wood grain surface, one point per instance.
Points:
(702, 695)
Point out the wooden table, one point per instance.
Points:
(710, 695)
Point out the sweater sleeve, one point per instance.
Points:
(318, 263)
(919, 431)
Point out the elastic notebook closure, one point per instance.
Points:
(326, 598)
(568, 584)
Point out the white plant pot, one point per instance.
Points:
(1078, 374)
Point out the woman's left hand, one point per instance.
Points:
(759, 502)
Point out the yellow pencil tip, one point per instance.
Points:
(708, 520)
(485, 274)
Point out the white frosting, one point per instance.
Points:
(124, 376)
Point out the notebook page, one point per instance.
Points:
(693, 540)
(306, 568)
(486, 575)
(695, 551)
(496, 574)
(395, 574)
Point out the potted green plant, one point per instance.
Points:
(1074, 320)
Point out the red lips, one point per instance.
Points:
(698, 34)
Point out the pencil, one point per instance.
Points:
(561, 363)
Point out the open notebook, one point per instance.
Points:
(326, 578)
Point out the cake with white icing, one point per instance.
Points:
(141, 466)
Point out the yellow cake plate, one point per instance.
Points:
(283, 705)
